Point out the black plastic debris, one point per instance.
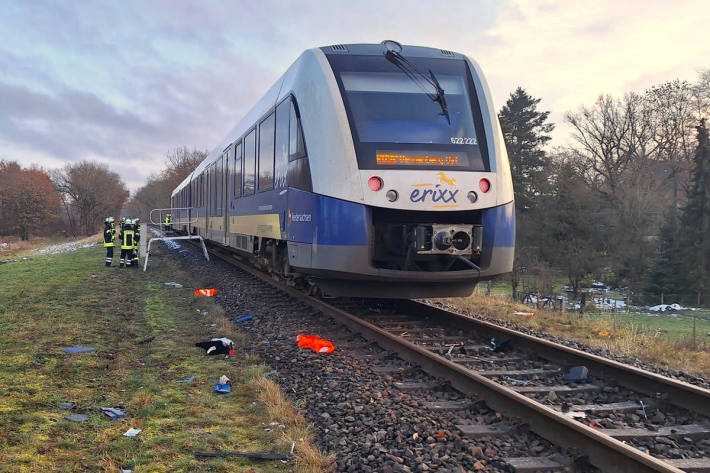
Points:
(78, 349)
(77, 418)
(114, 413)
(217, 346)
(67, 405)
(578, 373)
(146, 340)
(499, 344)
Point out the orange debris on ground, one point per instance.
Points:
(206, 292)
(317, 344)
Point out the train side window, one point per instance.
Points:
(238, 170)
(221, 168)
(283, 112)
(296, 149)
(249, 162)
(266, 153)
(213, 189)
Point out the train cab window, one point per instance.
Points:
(249, 162)
(266, 153)
(283, 112)
(296, 149)
(237, 167)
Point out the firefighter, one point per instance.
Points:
(168, 227)
(126, 237)
(109, 237)
(136, 241)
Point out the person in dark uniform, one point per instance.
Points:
(136, 241)
(126, 237)
(109, 237)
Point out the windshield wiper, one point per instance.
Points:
(418, 78)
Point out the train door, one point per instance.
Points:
(208, 202)
(226, 193)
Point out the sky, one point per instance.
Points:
(122, 83)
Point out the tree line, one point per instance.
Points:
(627, 202)
(75, 200)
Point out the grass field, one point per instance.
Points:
(52, 302)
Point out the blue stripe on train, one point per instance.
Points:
(318, 219)
(499, 226)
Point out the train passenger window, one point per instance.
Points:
(295, 148)
(213, 189)
(266, 153)
(220, 184)
(237, 177)
(283, 112)
(249, 162)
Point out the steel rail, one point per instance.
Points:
(601, 450)
(676, 392)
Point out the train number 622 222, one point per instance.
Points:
(463, 141)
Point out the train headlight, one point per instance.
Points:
(374, 183)
(461, 240)
(472, 197)
(484, 185)
(392, 195)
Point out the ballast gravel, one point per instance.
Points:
(350, 397)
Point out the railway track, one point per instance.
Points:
(527, 378)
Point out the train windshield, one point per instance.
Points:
(395, 122)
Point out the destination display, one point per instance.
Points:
(421, 158)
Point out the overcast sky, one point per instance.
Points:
(123, 82)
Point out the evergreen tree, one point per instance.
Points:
(525, 130)
(696, 218)
(668, 270)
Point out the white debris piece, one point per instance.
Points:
(666, 307)
(131, 432)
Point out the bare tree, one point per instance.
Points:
(92, 191)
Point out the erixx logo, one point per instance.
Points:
(436, 192)
(294, 217)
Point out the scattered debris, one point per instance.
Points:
(78, 349)
(666, 307)
(256, 456)
(578, 373)
(217, 346)
(316, 344)
(498, 345)
(131, 432)
(269, 373)
(244, 319)
(94, 276)
(126, 471)
(524, 382)
(223, 386)
(603, 334)
(643, 408)
(206, 292)
(525, 314)
(114, 413)
(174, 284)
(146, 340)
(186, 380)
(67, 405)
(77, 418)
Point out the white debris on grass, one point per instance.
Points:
(67, 247)
(169, 243)
(666, 307)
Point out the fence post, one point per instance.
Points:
(694, 343)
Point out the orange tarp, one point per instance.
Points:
(206, 292)
(317, 344)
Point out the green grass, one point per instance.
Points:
(52, 302)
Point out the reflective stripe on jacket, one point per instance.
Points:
(109, 236)
(127, 239)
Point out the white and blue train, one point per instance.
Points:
(372, 170)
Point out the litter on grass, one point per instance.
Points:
(525, 314)
(206, 292)
(174, 284)
(114, 413)
(269, 373)
(77, 418)
(217, 346)
(186, 380)
(316, 344)
(131, 432)
(244, 319)
(146, 340)
(78, 349)
(67, 405)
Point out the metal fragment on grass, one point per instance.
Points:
(78, 349)
(77, 418)
(131, 432)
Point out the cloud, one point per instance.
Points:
(124, 82)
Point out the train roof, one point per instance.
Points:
(276, 92)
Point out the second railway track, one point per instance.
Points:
(526, 379)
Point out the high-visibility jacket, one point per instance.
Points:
(127, 238)
(109, 236)
(167, 220)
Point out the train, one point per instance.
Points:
(367, 170)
